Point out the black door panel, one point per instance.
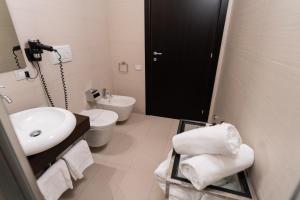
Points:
(181, 36)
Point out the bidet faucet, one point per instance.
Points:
(106, 93)
(5, 97)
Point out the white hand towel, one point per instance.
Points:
(78, 159)
(55, 181)
(204, 170)
(219, 139)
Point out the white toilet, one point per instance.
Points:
(102, 123)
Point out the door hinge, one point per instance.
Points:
(202, 111)
(211, 55)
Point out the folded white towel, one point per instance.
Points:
(175, 192)
(78, 159)
(162, 170)
(55, 181)
(203, 170)
(219, 139)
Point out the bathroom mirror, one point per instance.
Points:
(11, 56)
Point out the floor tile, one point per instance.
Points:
(156, 193)
(82, 185)
(123, 169)
(103, 185)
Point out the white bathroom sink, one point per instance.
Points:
(39, 129)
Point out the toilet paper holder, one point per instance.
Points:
(123, 67)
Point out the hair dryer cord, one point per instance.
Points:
(63, 79)
(16, 59)
(44, 85)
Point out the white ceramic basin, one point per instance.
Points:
(39, 129)
(122, 105)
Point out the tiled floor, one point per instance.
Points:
(123, 170)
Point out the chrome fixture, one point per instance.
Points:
(157, 53)
(106, 94)
(91, 95)
(5, 97)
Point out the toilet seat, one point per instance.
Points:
(100, 118)
(102, 123)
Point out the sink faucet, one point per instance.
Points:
(106, 93)
(4, 97)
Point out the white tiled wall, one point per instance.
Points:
(126, 33)
(82, 25)
(259, 90)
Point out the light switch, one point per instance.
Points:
(64, 51)
(138, 67)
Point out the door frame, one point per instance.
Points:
(15, 163)
(216, 52)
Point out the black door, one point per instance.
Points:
(183, 40)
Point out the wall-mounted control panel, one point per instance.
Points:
(91, 95)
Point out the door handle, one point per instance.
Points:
(157, 53)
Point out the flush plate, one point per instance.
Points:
(65, 52)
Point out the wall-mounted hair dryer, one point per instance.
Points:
(16, 48)
(34, 50)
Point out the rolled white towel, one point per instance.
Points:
(219, 139)
(204, 170)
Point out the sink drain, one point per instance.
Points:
(35, 133)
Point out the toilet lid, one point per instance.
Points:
(100, 117)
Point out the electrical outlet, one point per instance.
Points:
(64, 51)
(20, 74)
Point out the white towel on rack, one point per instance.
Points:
(78, 159)
(55, 181)
(219, 139)
(203, 170)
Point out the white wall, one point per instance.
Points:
(83, 25)
(126, 33)
(259, 90)
(101, 34)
